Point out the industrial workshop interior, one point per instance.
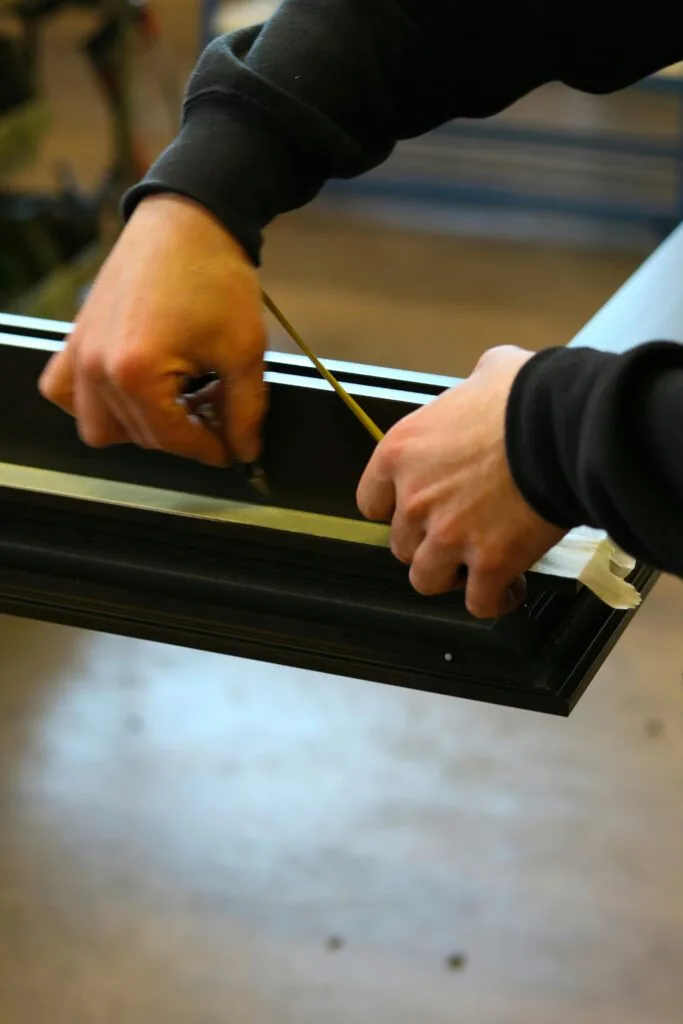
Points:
(248, 774)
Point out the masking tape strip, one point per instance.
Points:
(593, 559)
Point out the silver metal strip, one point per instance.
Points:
(339, 367)
(568, 560)
(360, 390)
(32, 323)
(152, 499)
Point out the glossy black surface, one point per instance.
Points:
(314, 450)
(273, 594)
(215, 589)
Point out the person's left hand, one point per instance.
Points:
(441, 476)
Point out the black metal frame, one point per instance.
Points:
(145, 545)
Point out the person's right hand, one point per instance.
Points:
(176, 299)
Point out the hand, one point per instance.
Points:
(441, 476)
(177, 298)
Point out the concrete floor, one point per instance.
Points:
(192, 839)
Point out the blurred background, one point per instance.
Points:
(189, 838)
(514, 229)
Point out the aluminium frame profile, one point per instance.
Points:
(180, 576)
(101, 548)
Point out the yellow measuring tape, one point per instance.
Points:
(350, 402)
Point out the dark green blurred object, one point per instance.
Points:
(16, 80)
(23, 117)
(51, 245)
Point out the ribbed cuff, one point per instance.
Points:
(581, 428)
(236, 167)
(543, 430)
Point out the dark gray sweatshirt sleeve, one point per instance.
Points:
(326, 88)
(597, 439)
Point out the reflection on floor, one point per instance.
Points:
(186, 838)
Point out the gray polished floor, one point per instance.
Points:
(190, 838)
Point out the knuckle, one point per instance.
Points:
(489, 565)
(91, 365)
(493, 558)
(128, 370)
(445, 536)
(393, 447)
(388, 455)
(491, 354)
(415, 503)
(485, 359)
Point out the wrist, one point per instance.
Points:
(233, 164)
(162, 211)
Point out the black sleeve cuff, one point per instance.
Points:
(544, 419)
(594, 439)
(236, 167)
